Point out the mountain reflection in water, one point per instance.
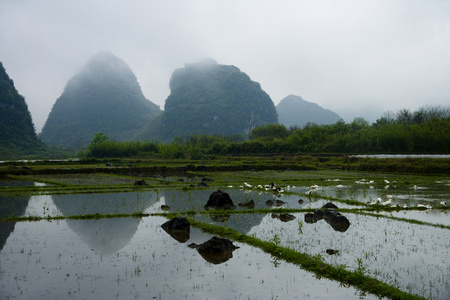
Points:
(11, 207)
(105, 236)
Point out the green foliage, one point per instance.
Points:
(428, 136)
(109, 148)
(99, 138)
(270, 131)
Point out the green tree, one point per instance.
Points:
(270, 131)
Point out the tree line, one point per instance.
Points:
(426, 130)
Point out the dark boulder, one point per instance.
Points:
(178, 228)
(309, 218)
(177, 223)
(328, 214)
(217, 245)
(202, 184)
(165, 207)
(340, 223)
(216, 250)
(336, 220)
(318, 214)
(219, 200)
(332, 251)
(330, 205)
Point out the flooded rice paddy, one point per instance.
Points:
(134, 258)
(130, 258)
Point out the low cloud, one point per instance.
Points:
(356, 58)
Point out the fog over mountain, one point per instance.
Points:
(209, 98)
(295, 111)
(356, 58)
(104, 96)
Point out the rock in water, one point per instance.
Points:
(216, 250)
(178, 228)
(219, 200)
(330, 205)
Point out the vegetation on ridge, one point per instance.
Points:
(424, 131)
(17, 133)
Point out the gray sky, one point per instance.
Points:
(358, 58)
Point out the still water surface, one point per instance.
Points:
(135, 259)
(125, 258)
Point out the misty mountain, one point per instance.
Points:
(103, 97)
(208, 98)
(17, 134)
(294, 111)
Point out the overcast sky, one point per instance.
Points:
(358, 58)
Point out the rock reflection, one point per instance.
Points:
(283, 217)
(275, 203)
(11, 207)
(216, 250)
(220, 218)
(250, 204)
(6, 228)
(178, 228)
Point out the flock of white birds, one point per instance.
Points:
(313, 188)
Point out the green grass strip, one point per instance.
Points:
(360, 211)
(79, 217)
(412, 221)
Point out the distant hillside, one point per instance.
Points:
(17, 134)
(294, 111)
(208, 98)
(103, 97)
